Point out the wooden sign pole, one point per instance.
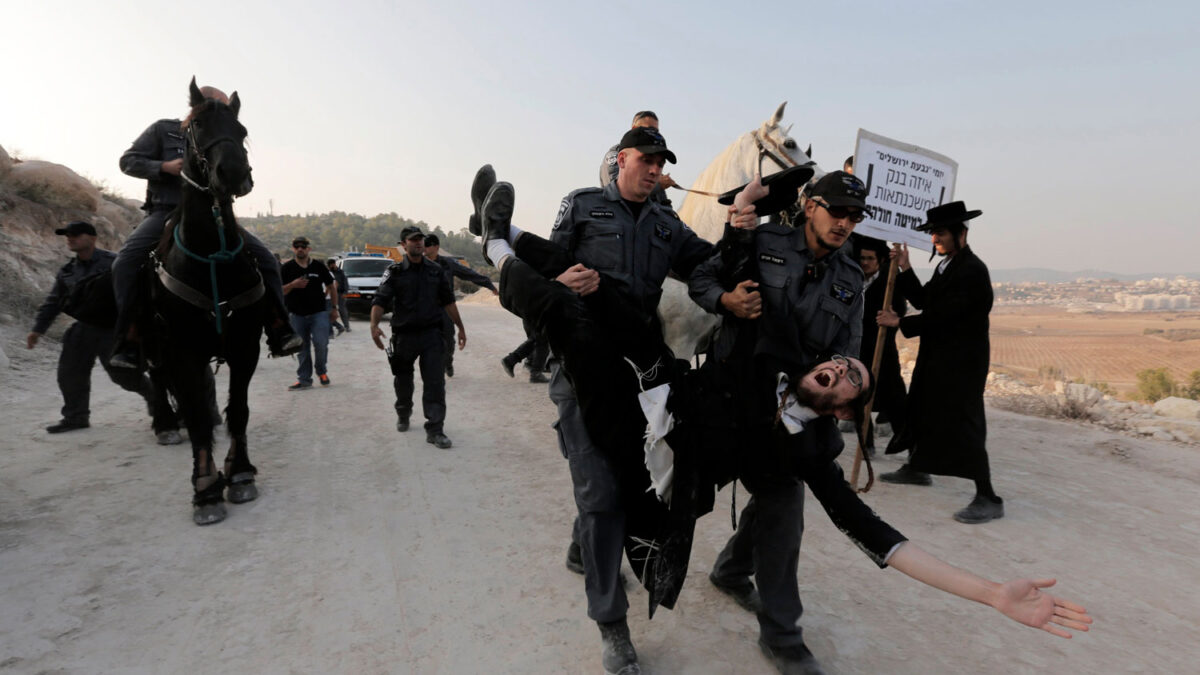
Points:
(880, 336)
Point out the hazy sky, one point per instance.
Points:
(1074, 123)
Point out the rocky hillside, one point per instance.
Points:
(36, 197)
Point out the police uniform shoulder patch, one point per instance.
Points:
(842, 294)
(772, 258)
(562, 212)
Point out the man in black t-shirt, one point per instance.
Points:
(305, 285)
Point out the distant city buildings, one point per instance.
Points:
(1147, 295)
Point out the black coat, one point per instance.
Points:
(889, 390)
(944, 421)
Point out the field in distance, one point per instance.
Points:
(1109, 347)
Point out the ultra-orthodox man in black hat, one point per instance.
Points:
(944, 427)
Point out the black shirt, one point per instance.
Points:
(415, 293)
(311, 298)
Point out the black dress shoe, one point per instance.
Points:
(485, 178)
(495, 215)
(981, 510)
(126, 355)
(439, 439)
(575, 558)
(906, 476)
(792, 660)
(743, 593)
(619, 656)
(67, 425)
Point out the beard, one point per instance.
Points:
(822, 401)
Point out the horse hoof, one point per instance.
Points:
(241, 493)
(209, 514)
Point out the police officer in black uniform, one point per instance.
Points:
(804, 301)
(157, 156)
(453, 268)
(418, 293)
(622, 238)
(83, 290)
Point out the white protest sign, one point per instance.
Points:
(903, 182)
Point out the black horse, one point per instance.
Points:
(208, 300)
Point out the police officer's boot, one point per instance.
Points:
(619, 657)
(495, 215)
(485, 178)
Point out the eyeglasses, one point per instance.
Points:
(299, 245)
(840, 212)
(852, 373)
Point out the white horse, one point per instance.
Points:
(765, 150)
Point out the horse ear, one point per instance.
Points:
(235, 103)
(197, 98)
(778, 114)
(809, 151)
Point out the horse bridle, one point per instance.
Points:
(201, 153)
(763, 151)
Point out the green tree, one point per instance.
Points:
(1192, 388)
(1155, 384)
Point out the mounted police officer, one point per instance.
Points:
(83, 290)
(157, 156)
(803, 302)
(417, 292)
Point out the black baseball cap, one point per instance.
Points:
(300, 240)
(647, 140)
(839, 188)
(410, 232)
(432, 240)
(77, 227)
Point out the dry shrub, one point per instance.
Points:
(53, 185)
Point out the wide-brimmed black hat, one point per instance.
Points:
(947, 215)
(410, 232)
(647, 140)
(864, 243)
(77, 227)
(838, 188)
(784, 190)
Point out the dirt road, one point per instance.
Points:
(370, 551)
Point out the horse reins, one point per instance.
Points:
(222, 256)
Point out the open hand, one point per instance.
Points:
(377, 335)
(1022, 601)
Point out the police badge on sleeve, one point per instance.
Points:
(562, 213)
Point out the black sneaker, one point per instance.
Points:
(495, 215)
(619, 656)
(981, 510)
(575, 558)
(537, 377)
(485, 178)
(508, 362)
(402, 423)
(792, 660)
(742, 592)
(439, 439)
(906, 476)
(67, 425)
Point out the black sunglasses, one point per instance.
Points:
(299, 245)
(840, 212)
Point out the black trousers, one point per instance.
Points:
(447, 341)
(82, 345)
(424, 347)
